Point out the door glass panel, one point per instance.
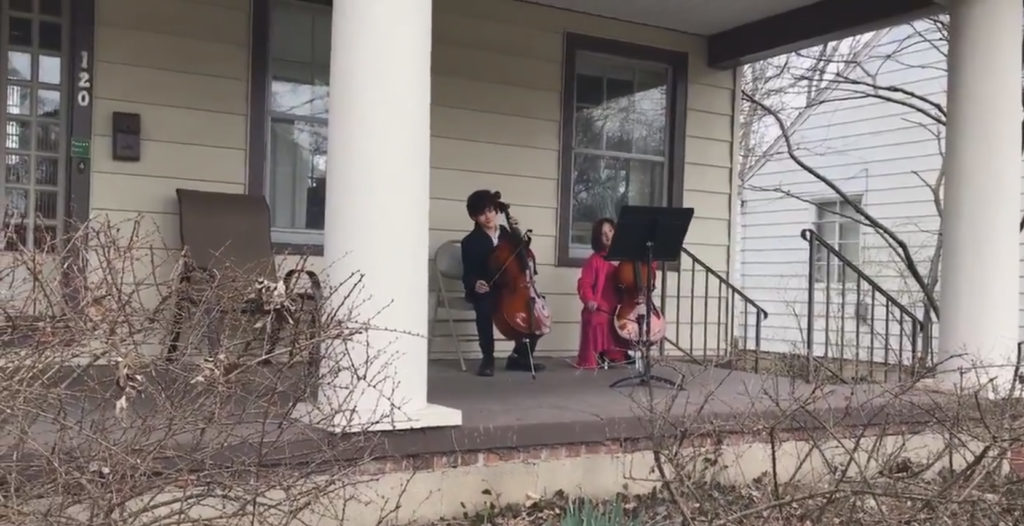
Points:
(18, 136)
(47, 137)
(19, 31)
(19, 65)
(46, 205)
(51, 7)
(46, 171)
(22, 6)
(18, 100)
(49, 69)
(34, 120)
(16, 168)
(48, 103)
(17, 202)
(49, 36)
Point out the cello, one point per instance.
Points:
(632, 280)
(521, 310)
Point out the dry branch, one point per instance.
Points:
(99, 426)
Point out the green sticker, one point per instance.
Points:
(80, 148)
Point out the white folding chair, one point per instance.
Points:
(450, 293)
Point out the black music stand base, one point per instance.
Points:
(645, 379)
(645, 376)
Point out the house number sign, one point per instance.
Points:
(83, 86)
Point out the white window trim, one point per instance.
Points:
(834, 220)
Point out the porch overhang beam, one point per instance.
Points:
(810, 25)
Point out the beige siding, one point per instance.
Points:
(183, 65)
(497, 72)
(496, 109)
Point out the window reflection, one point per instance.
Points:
(299, 68)
(299, 157)
(19, 65)
(619, 140)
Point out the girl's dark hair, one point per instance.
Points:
(595, 233)
(479, 201)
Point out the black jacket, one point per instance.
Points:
(477, 247)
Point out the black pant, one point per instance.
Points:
(484, 306)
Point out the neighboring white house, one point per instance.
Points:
(884, 154)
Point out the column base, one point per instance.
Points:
(991, 382)
(430, 415)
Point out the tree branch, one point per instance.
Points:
(845, 79)
(859, 95)
(805, 200)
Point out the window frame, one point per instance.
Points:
(834, 220)
(675, 116)
(300, 241)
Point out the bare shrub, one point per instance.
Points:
(100, 426)
(870, 454)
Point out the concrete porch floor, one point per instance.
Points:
(562, 406)
(568, 405)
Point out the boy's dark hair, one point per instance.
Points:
(595, 233)
(479, 201)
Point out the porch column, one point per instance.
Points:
(980, 268)
(377, 206)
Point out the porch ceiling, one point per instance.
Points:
(701, 17)
(744, 31)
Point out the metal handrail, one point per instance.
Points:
(807, 234)
(918, 328)
(725, 281)
(728, 298)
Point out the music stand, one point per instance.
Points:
(648, 234)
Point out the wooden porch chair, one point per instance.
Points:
(225, 232)
(451, 295)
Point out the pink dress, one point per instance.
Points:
(597, 283)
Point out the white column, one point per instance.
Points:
(377, 203)
(980, 268)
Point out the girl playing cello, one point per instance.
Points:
(598, 291)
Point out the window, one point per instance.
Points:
(835, 223)
(620, 130)
(34, 42)
(299, 70)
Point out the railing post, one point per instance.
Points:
(810, 307)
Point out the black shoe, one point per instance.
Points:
(486, 366)
(517, 363)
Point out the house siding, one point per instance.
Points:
(867, 147)
(183, 66)
(495, 120)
